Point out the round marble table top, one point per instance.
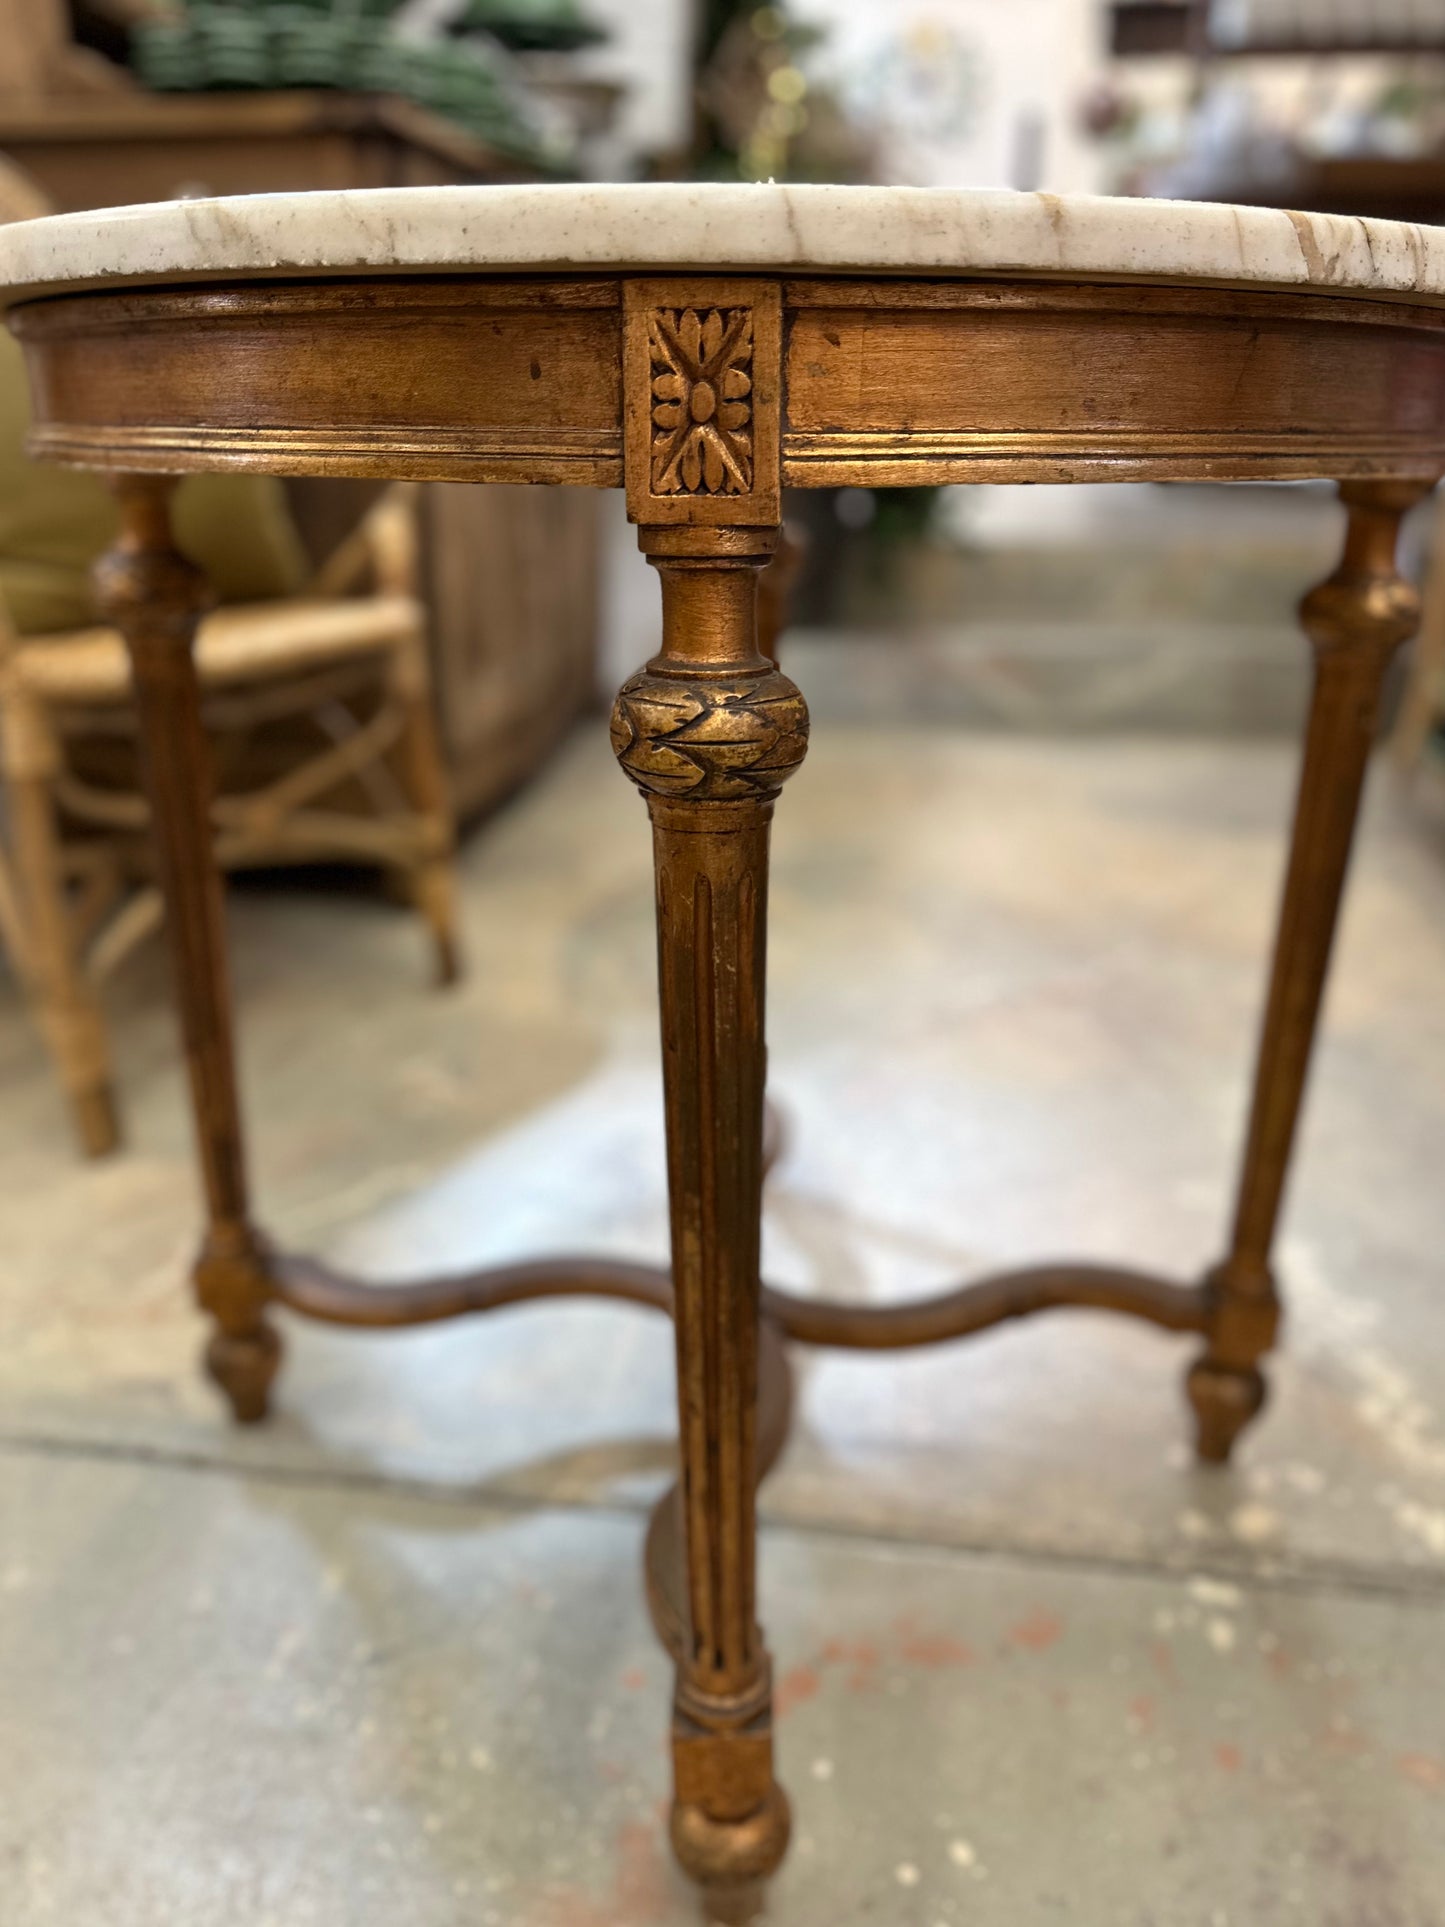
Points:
(799, 230)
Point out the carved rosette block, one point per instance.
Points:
(710, 738)
(701, 407)
(702, 378)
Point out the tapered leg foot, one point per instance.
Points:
(243, 1353)
(731, 1859)
(244, 1367)
(96, 1122)
(46, 948)
(1225, 1399)
(435, 897)
(775, 1135)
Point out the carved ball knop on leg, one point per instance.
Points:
(709, 738)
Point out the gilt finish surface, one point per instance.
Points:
(881, 383)
(701, 348)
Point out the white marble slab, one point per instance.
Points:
(889, 230)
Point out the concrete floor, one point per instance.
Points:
(386, 1659)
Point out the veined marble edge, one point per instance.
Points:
(965, 233)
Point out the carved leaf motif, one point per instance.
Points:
(702, 417)
(711, 739)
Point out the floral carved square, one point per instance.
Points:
(702, 439)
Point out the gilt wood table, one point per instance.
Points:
(703, 348)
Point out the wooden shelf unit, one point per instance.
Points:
(1182, 27)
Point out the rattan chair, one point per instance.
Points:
(320, 712)
(338, 679)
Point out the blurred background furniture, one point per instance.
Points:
(513, 644)
(1422, 708)
(1290, 27)
(317, 698)
(318, 707)
(112, 149)
(217, 72)
(1361, 135)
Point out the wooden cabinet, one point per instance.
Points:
(513, 575)
(511, 579)
(109, 149)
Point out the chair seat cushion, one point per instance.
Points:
(243, 643)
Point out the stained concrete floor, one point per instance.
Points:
(386, 1658)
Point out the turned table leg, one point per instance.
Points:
(156, 598)
(1355, 621)
(709, 731)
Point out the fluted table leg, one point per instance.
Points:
(709, 731)
(156, 598)
(1355, 621)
